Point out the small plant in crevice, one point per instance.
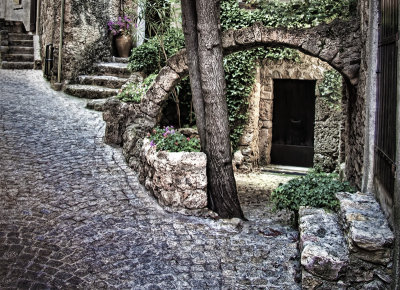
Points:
(331, 88)
(168, 139)
(316, 189)
(133, 92)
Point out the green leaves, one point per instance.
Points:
(292, 14)
(150, 57)
(168, 139)
(316, 189)
(133, 92)
(331, 88)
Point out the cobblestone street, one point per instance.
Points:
(73, 215)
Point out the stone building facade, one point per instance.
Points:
(256, 142)
(22, 12)
(85, 36)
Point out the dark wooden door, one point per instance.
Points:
(293, 123)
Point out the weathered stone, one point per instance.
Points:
(322, 245)
(167, 78)
(177, 179)
(367, 228)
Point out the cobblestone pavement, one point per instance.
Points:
(73, 215)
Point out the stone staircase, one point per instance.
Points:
(108, 78)
(16, 51)
(348, 250)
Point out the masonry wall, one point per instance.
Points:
(86, 38)
(256, 142)
(10, 11)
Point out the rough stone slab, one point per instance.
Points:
(97, 105)
(20, 36)
(113, 68)
(21, 50)
(16, 65)
(18, 57)
(22, 43)
(322, 244)
(111, 82)
(90, 92)
(368, 231)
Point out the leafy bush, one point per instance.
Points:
(315, 189)
(168, 139)
(151, 55)
(133, 92)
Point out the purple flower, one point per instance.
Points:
(152, 144)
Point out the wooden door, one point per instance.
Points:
(293, 123)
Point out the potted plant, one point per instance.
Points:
(121, 30)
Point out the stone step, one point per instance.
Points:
(20, 43)
(16, 65)
(18, 57)
(97, 105)
(20, 50)
(90, 92)
(117, 59)
(324, 254)
(112, 82)
(20, 36)
(113, 68)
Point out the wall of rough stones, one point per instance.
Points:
(86, 38)
(256, 142)
(177, 179)
(348, 250)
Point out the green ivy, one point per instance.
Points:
(330, 88)
(240, 67)
(315, 189)
(299, 14)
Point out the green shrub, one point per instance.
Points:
(168, 139)
(151, 55)
(315, 189)
(133, 92)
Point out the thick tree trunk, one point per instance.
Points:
(189, 20)
(222, 193)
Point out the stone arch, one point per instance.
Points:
(337, 43)
(256, 142)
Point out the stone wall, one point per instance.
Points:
(349, 250)
(176, 179)
(256, 142)
(86, 38)
(10, 11)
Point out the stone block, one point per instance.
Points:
(367, 229)
(322, 244)
(177, 179)
(266, 110)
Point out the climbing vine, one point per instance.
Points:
(331, 88)
(240, 67)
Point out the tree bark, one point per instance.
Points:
(189, 20)
(222, 193)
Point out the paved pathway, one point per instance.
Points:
(72, 214)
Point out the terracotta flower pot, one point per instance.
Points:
(124, 45)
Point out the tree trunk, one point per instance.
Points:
(189, 20)
(222, 194)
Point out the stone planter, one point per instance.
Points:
(124, 45)
(176, 179)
